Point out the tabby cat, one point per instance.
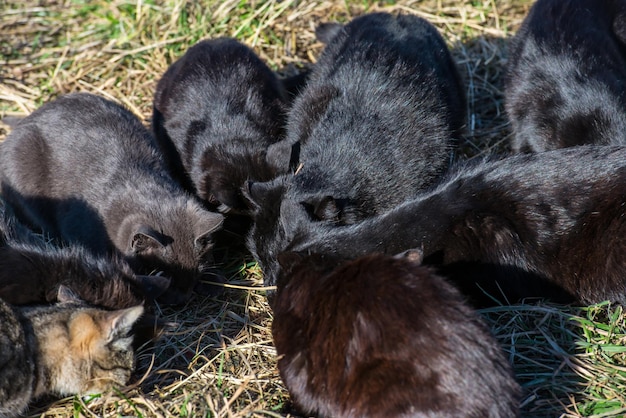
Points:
(67, 348)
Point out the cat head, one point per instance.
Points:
(177, 242)
(222, 173)
(282, 222)
(268, 236)
(84, 350)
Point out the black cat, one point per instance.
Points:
(383, 336)
(85, 170)
(376, 120)
(566, 79)
(216, 111)
(373, 126)
(558, 216)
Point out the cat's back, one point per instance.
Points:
(403, 46)
(216, 111)
(73, 142)
(379, 114)
(394, 72)
(566, 78)
(565, 26)
(384, 336)
(218, 66)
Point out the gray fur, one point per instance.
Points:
(84, 169)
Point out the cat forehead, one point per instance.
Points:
(84, 328)
(92, 329)
(189, 217)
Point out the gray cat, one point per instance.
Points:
(65, 349)
(85, 170)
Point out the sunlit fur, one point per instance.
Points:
(373, 127)
(64, 349)
(385, 337)
(217, 109)
(85, 170)
(556, 217)
(566, 73)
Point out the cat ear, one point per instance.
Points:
(325, 32)
(67, 295)
(289, 259)
(326, 209)
(262, 194)
(414, 255)
(248, 199)
(255, 194)
(153, 286)
(283, 157)
(206, 226)
(146, 238)
(117, 324)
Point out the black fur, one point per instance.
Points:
(566, 81)
(558, 216)
(32, 269)
(85, 170)
(216, 111)
(377, 119)
(382, 336)
(373, 126)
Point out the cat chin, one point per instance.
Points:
(97, 391)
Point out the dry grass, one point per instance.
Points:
(216, 358)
